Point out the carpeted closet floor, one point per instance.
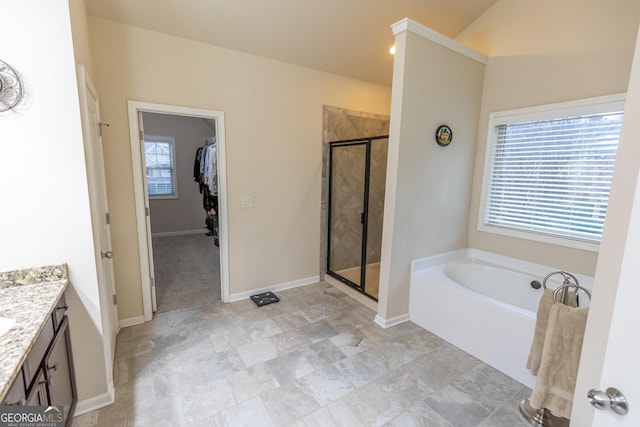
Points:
(187, 271)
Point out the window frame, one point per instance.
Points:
(172, 142)
(589, 106)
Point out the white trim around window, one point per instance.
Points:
(164, 182)
(548, 169)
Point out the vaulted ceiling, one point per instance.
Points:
(346, 37)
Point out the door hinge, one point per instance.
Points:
(115, 302)
(153, 282)
(141, 135)
(146, 211)
(107, 218)
(100, 127)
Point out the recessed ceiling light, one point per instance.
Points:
(392, 51)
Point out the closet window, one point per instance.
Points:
(548, 171)
(160, 159)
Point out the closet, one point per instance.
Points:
(205, 173)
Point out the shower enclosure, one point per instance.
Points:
(357, 174)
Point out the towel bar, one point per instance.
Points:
(560, 288)
(569, 280)
(541, 417)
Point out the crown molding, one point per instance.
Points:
(425, 32)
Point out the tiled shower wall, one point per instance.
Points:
(340, 124)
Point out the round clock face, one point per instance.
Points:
(444, 135)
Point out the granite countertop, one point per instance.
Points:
(29, 296)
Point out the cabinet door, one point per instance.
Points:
(16, 394)
(59, 312)
(38, 393)
(59, 371)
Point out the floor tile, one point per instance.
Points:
(373, 405)
(290, 404)
(422, 415)
(361, 369)
(251, 413)
(252, 382)
(290, 366)
(318, 331)
(457, 407)
(327, 384)
(256, 352)
(316, 358)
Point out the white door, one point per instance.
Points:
(152, 275)
(611, 350)
(92, 133)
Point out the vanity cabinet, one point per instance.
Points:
(46, 377)
(17, 392)
(58, 370)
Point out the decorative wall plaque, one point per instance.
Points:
(10, 87)
(444, 135)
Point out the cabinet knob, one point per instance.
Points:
(63, 307)
(48, 381)
(53, 367)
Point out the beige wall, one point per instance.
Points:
(80, 31)
(428, 186)
(46, 216)
(186, 213)
(273, 121)
(583, 52)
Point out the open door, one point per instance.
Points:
(92, 134)
(152, 278)
(610, 350)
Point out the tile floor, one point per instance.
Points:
(314, 359)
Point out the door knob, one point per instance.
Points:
(107, 254)
(612, 399)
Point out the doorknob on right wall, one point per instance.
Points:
(612, 399)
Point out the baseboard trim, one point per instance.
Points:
(274, 288)
(387, 323)
(96, 402)
(131, 321)
(180, 233)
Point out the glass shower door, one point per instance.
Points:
(347, 186)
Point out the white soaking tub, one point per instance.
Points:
(483, 303)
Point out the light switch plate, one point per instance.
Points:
(247, 202)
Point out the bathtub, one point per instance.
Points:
(483, 303)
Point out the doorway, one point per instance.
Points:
(137, 110)
(357, 174)
(182, 209)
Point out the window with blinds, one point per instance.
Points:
(159, 153)
(549, 170)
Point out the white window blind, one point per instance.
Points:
(159, 154)
(553, 176)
